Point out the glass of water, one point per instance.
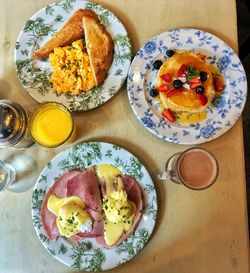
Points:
(7, 175)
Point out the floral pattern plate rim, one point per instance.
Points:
(224, 111)
(34, 74)
(87, 255)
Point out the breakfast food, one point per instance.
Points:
(99, 202)
(99, 47)
(72, 71)
(80, 53)
(69, 33)
(185, 83)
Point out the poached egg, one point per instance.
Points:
(71, 216)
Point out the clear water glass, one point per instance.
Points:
(7, 175)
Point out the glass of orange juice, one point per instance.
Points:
(51, 124)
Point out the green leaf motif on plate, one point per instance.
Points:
(149, 188)
(49, 165)
(109, 154)
(49, 10)
(118, 72)
(122, 49)
(25, 52)
(83, 101)
(52, 251)
(150, 209)
(87, 258)
(63, 249)
(133, 244)
(37, 221)
(44, 238)
(81, 156)
(17, 45)
(66, 5)
(59, 18)
(132, 168)
(42, 179)
(32, 77)
(37, 29)
(116, 147)
(37, 198)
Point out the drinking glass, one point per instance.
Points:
(7, 175)
(196, 168)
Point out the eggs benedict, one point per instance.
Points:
(120, 208)
(71, 216)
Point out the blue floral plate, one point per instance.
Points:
(86, 254)
(224, 111)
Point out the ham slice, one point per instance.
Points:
(60, 189)
(134, 193)
(83, 184)
(97, 229)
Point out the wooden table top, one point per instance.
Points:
(201, 232)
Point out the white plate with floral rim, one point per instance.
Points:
(223, 112)
(35, 74)
(87, 254)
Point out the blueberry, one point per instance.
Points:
(157, 64)
(153, 92)
(203, 76)
(177, 84)
(170, 53)
(199, 89)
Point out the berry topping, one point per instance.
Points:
(163, 87)
(153, 92)
(173, 93)
(166, 77)
(177, 83)
(202, 98)
(203, 76)
(199, 89)
(218, 85)
(182, 70)
(170, 53)
(193, 85)
(157, 64)
(168, 115)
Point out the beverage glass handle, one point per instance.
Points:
(169, 174)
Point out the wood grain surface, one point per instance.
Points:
(198, 232)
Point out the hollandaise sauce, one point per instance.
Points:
(71, 217)
(118, 210)
(51, 124)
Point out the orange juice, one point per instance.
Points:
(51, 124)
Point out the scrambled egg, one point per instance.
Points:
(72, 71)
(119, 211)
(71, 217)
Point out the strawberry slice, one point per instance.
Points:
(202, 98)
(174, 92)
(163, 87)
(218, 85)
(182, 70)
(166, 77)
(193, 85)
(195, 80)
(168, 115)
(201, 56)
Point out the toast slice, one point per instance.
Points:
(99, 47)
(69, 33)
